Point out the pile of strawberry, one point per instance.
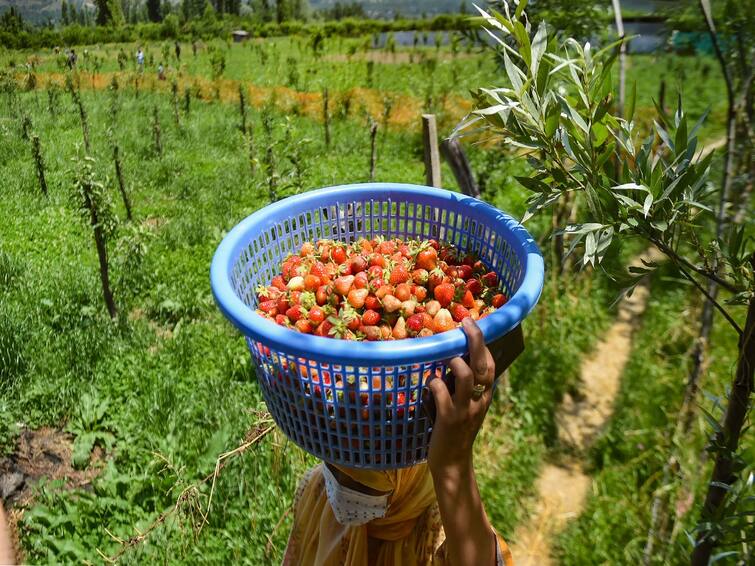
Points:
(381, 289)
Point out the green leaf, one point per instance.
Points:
(82, 448)
(680, 139)
(513, 73)
(539, 44)
(533, 184)
(552, 119)
(647, 204)
(520, 9)
(525, 49)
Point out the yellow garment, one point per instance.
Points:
(410, 534)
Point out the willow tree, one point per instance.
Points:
(558, 108)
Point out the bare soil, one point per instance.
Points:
(41, 453)
(562, 485)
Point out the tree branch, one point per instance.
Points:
(713, 301)
(700, 271)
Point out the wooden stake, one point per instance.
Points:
(326, 117)
(432, 156)
(457, 159)
(373, 151)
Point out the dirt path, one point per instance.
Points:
(562, 485)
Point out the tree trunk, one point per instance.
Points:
(39, 162)
(373, 149)
(121, 182)
(454, 153)
(99, 242)
(728, 437)
(326, 117)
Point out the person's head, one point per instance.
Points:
(383, 498)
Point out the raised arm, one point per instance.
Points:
(470, 539)
(6, 546)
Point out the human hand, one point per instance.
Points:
(459, 417)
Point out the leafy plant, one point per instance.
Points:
(90, 426)
(558, 111)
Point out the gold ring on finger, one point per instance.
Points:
(478, 390)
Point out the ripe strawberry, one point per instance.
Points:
(372, 303)
(323, 329)
(427, 321)
(361, 281)
(270, 308)
(365, 246)
(399, 330)
(278, 282)
(356, 297)
(459, 312)
(316, 315)
(443, 321)
(295, 313)
(386, 247)
(427, 259)
(283, 304)
(420, 276)
(474, 286)
(444, 294)
(282, 319)
(303, 326)
(371, 318)
(420, 293)
(377, 260)
(414, 324)
(375, 272)
(338, 254)
(391, 303)
(311, 282)
(403, 291)
(358, 264)
(490, 279)
(400, 274)
(321, 295)
(318, 268)
(468, 299)
(436, 277)
(498, 300)
(343, 284)
(464, 271)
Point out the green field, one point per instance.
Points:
(168, 387)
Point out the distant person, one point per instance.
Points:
(178, 51)
(160, 72)
(140, 60)
(72, 58)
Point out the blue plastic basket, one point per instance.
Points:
(297, 372)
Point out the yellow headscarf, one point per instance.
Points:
(317, 539)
